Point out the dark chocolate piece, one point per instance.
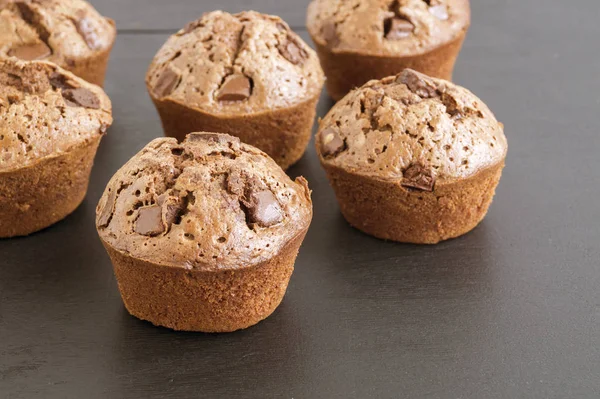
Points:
(166, 83)
(149, 221)
(418, 177)
(418, 83)
(31, 52)
(235, 88)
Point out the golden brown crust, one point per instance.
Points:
(209, 203)
(45, 111)
(195, 64)
(355, 45)
(68, 33)
(412, 158)
(389, 125)
(207, 301)
(363, 26)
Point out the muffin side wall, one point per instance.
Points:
(388, 211)
(37, 196)
(206, 301)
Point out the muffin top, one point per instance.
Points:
(411, 128)
(235, 64)
(46, 111)
(387, 27)
(208, 203)
(60, 31)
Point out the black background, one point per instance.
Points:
(510, 310)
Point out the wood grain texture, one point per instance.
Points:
(512, 310)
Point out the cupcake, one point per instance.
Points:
(203, 235)
(51, 123)
(362, 40)
(247, 75)
(412, 158)
(69, 33)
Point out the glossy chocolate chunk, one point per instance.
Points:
(263, 209)
(60, 81)
(166, 83)
(235, 88)
(398, 28)
(418, 83)
(149, 221)
(418, 177)
(292, 52)
(331, 143)
(81, 97)
(31, 52)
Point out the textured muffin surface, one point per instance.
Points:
(60, 31)
(413, 128)
(209, 203)
(387, 27)
(235, 64)
(46, 111)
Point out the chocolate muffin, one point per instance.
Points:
(247, 75)
(360, 40)
(69, 33)
(203, 235)
(51, 123)
(412, 158)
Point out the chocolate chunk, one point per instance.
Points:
(235, 88)
(439, 11)
(173, 206)
(107, 211)
(397, 28)
(166, 82)
(418, 83)
(88, 32)
(330, 34)
(149, 221)
(81, 97)
(292, 51)
(263, 209)
(419, 178)
(331, 143)
(60, 81)
(31, 52)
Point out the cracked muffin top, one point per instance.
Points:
(46, 111)
(411, 128)
(208, 203)
(235, 64)
(60, 31)
(387, 27)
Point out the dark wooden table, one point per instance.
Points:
(511, 310)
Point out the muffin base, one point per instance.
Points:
(204, 301)
(346, 71)
(387, 210)
(37, 196)
(283, 133)
(92, 69)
